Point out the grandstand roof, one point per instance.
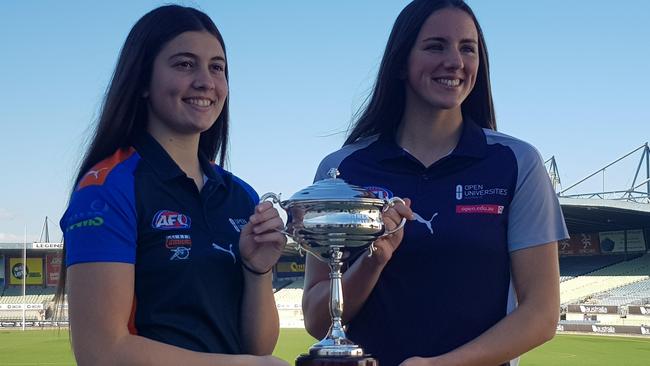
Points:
(594, 215)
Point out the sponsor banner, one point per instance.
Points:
(614, 241)
(593, 309)
(639, 310)
(290, 267)
(33, 272)
(36, 246)
(580, 244)
(30, 324)
(47, 246)
(21, 306)
(2, 268)
(53, 267)
(603, 329)
(645, 330)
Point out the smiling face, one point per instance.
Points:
(443, 63)
(188, 84)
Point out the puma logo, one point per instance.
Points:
(95, 173)
(229, 251)
(421, 220)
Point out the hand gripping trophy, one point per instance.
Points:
(324, 219)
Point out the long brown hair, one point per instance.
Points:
(123, 114)
(383, 111)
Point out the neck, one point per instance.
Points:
(183, 149)
(429, 134)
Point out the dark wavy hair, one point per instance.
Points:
(123, 114)
(382, 112)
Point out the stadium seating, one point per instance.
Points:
(289, 303)
(637, 293)
(620, 274)
(574, 266)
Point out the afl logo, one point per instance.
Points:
(170, 220)
(459, 192)
(380, 193)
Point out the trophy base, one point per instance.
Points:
(316, 360)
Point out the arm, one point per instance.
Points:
(535, 273)
(100, 301)
(358, 280)
(260, 247)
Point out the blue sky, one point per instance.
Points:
(570, 77)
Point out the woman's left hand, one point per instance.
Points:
(260, 242)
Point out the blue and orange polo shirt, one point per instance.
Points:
(139, 207)
(450, 279)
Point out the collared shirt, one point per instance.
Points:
(139, 207)
(449, 280)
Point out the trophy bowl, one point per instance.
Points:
(324, 220)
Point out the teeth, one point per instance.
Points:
(448, 82)
(199, 102)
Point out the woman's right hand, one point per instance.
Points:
(386, 246)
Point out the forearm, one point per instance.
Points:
(139, 351)
(259, 319)
(358, 282)
(517, 333)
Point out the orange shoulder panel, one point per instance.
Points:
(98, 173)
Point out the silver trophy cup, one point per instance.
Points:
(325, 219)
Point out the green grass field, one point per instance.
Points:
(45, 347)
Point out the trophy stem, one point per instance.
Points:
(335, 342)
(336, 331)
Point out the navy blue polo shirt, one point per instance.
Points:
(139, 207)
(449, 280)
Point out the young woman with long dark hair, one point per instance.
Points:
(167, 255)
(473, 277)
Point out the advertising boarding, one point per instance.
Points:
(53, 266)
(2, 271)
(614, 241)
(580, 244)
(33, 272)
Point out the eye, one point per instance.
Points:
(433, 47)
(468, 49)
(218, 67)
(184, 65)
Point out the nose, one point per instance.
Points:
(203, 79)
(454, 60)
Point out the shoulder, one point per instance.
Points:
(334, 159)
(114, 171)
(524, 152)
(107, 186)
(237, 183)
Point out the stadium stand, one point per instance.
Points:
(574, 266)
(637, 293)
(577, 289)
(289, 303)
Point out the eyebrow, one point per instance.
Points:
(441, 39)
(191, 55)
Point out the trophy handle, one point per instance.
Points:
(275, 198)
(390, 203)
